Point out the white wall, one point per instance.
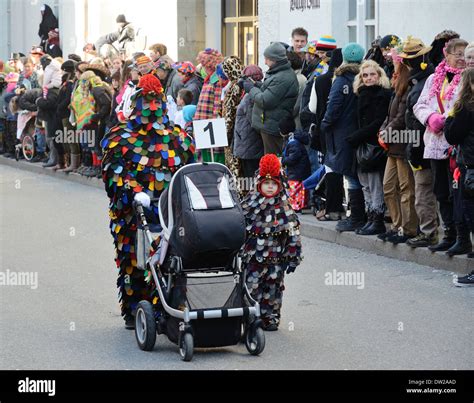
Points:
(213, 21)
(425, 18)
(4, 30)
(23, 22)
(419, 18)
(276, 22)
(157, 20)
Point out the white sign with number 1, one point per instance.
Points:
(210, 133)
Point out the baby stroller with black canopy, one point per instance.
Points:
(201, 231)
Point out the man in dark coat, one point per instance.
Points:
(275, 99)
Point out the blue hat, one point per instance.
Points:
(188, 113)
(353, 53)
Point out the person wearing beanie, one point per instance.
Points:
(248, 145)
(126, 33)
(310, 59)
(334, 190)
(386, 44)
(169, 77)
(340, 120)
(66, 148)
(191, 80)
(74, 57)
(272, 247)
(275, 99)
(353, 53)
(209, 105)
(69, 66)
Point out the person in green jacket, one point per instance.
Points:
(275, 99)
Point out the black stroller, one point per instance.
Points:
(201, 230)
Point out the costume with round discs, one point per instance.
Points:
(273, 242)
(140, 155)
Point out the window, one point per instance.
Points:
(369, 36)
(370, 9)
(353, 34)
(352, 10)
(361, 24)
(241, 30)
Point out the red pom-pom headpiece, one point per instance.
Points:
(150, 84)
(270, 166)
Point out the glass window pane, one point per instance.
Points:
(246, 8)
(369, 36)
(353, 34)
(247, 44)
(231, 39)
(231, 8)
(370, 9)
(352, 9)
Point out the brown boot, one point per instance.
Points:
(75, 158)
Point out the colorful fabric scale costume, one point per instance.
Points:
(140, 155)
(273, 243)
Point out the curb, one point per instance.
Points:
(311, 228)
(325, 231)
(38, 169)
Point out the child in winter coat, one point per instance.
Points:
(273, 243)
(296, 160)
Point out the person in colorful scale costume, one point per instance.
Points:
(140, 157)
(273, 243)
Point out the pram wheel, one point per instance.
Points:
(145, 326)
(254, 340)
(186, 346)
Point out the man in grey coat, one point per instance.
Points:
(275, 99)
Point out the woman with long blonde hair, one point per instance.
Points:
(372, 88)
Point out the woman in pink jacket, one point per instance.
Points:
(437, 99)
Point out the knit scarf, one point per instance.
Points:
(439, 77)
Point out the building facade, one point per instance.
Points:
(241, 27)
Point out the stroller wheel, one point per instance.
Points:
(186, 346)
(255, 340)
(145, 326)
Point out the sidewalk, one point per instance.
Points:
(310, 228)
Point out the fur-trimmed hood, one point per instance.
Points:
(352, 68)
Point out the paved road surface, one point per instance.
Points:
(405, 317)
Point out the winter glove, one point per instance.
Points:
(436, 122)
(245, 84)
(143, 199)
(290, 269)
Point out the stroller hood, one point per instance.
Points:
(201, 216)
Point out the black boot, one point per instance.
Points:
(463, 243)
(448, 240)
(376, 227)
(370, 220)
(357, 218)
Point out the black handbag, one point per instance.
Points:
(370, 157)
(469, 182)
